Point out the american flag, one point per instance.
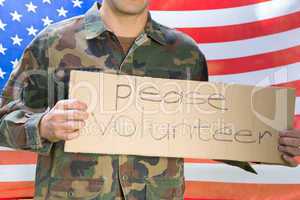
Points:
(254, 42)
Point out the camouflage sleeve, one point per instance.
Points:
(24, 100)
(199, 69)
(202, 65)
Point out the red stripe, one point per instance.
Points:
(16, 198)
(254, 63)
(244, 31)
(176, 5)
(17, 158)
(297, 122)
(236, 191)
(293, 84)
(16, 189)
(202, 199)
(22, 198)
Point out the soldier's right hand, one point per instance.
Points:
(64, 120)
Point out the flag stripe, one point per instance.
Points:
(195, 5)
(297, 109)
(297, 121)
(255, 62)
(228, 16)
(17, 157)
(231, 191)
(20, 189)
(272, 76)
(14, 173)
(5, 149)
(224, 173)
(293, 84)
(243, 31)
(193, 172)
(250, 47)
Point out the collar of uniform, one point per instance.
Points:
(153, 30)
(94, 26)
(93, 23)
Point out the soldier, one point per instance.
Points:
(116, 37)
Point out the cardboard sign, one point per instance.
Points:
(180, 118)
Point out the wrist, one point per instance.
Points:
(42, 129)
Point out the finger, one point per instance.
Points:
(71, 104)
(290, 133)
(69, 115)
(69, 126)
(290, 160)
(289, 141)
(293, 151)
(73, 135)
(67, 136)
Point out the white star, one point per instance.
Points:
(47, 1)
(16, 16)
(31, 30)
(2, 73)
(16, 40)
(47, 21)
(14, 63)
(62, 12)
(2, 25)
(77, 3)
(2, 2)
(2, 49)
(31, 7)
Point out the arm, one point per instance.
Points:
(26, 121)
(24, 100)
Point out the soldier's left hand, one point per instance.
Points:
(289, 145)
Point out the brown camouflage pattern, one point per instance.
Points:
(41, 79)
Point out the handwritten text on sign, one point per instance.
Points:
(177, 118)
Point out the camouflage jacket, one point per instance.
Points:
(41, 79)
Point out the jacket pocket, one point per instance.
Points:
(74, 188)
(165, 189)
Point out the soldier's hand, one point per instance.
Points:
(64, 120)
(289, 145)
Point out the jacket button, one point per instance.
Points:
(125, 178)
(71, 193)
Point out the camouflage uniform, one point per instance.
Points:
(41, 79)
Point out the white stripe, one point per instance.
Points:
(266, 77)
(253, 46)
(297, 110)
(227, 16)
(6, 149)
(267, 174)
(14, 173)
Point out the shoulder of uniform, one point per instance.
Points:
(53, 31)
(73, 23)
(175, 37)
(180, 41)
